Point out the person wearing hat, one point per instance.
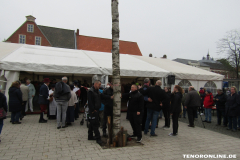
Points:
(208, 103)
(44, 99)
(220, 100)
(52, 110)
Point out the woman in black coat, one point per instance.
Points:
(166, 108)
(3, 104)
(176, 109)
(15, 102)
(232, 109)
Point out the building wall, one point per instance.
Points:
(30, 37)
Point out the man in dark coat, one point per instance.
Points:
(44, 99)
(156, 97)
(108, 108)
(166, 108)
(94, 104)
(232, 109)
(145, 87)
(192, 103)
(220, 100)
(15, 102)
(135, 107)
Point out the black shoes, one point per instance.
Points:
(91, 138)
(139, 140)
(59, 127)
(64, 126)
(42, 121)
(153, 135)
(133, 136)
(205, 121)
(99, 141)
(191, 126)
(16, 122)
(208, 121)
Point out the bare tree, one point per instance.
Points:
(230, 46)
(116, 70)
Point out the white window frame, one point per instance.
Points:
(36, 40)
(19, 39)
(185, 84)
(28, 26)
(211, 86)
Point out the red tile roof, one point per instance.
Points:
(105, 45)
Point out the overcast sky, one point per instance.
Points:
(177, 28)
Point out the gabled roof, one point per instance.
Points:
(185, 61)
(58, 37)
(218, 66)
(105, 45)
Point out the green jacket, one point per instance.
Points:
(31, 90)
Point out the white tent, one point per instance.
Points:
(182, 71)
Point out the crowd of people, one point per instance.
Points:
(145, 104)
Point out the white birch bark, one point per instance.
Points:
(116, 69)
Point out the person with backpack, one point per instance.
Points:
(208, 103)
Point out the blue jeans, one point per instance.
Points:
(1, 125)
(161, 113)
(15, 116)
(208, 114)
(151, 115)
(232, 122)
(238, 121)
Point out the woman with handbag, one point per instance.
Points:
(3, 109)
(15, 102)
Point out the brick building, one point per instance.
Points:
(31, 33)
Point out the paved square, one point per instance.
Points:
(32, 140)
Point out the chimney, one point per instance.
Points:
(30, 18)
(77, 32)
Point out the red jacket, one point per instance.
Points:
(208, 101)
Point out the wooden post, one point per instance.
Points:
(109, 130)
(124, 140)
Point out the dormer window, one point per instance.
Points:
(30, 28)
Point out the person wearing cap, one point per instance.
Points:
(44, 99)
(220, 99)
(62, 95)
(108, 108)
(208, 104)
(52, 103)
(31, 94)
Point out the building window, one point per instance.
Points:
(30, 28)
(211, 86)
(38, 40)
(185, 84)
(22, 39)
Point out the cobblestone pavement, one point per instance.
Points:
(31, 140)
(212, 126)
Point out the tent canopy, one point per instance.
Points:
(182, 71)
(32, 58)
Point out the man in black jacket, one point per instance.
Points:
(108, 108)
(166, 107)
(220, 100)
(94, 104)
(156, 97)
(135, 107)
(192, 103)
(145, 87)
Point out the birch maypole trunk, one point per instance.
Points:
(116, 70)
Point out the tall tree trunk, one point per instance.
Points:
(116, 69)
